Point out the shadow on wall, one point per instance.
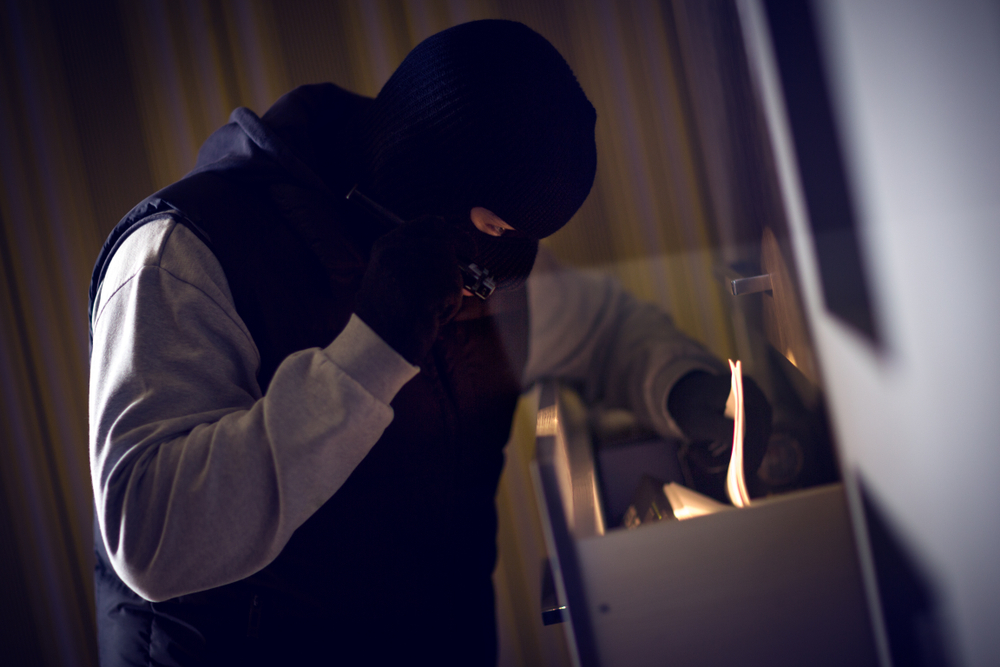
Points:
(910, 605)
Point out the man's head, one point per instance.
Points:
(486, 114)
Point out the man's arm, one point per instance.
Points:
(586, 328)
(200, 479)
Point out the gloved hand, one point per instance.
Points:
(698, 404)
(413, 285)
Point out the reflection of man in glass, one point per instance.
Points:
(297, 417)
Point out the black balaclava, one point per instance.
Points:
(485, 114)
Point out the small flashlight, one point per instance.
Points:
(474, 278)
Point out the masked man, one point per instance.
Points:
(298, 410)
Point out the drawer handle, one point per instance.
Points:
(751, 285)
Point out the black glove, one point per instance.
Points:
(413, 285)
(698, 404)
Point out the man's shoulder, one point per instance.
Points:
(143, 247)
(165, 244)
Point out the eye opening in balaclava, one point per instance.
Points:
(483, 114)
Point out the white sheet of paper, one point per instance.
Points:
(688, 504)
(736, 487)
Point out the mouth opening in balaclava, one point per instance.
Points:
(509, 258)
(483, 114)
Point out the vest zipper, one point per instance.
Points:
(253, 626)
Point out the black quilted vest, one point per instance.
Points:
(397, 565)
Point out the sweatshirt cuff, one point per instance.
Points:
(663, 382)
(370, 361)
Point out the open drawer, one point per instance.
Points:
(777, 583)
